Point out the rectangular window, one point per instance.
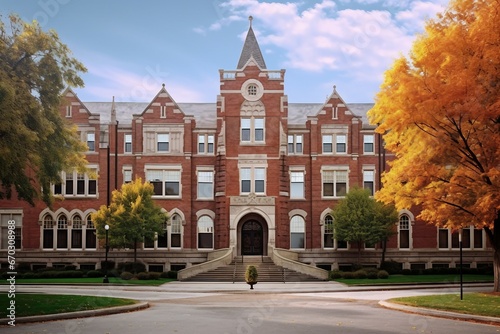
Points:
(369, 143)
(165, 182)
(328, 234)
(478, 239)
(90, 236)
(69, 183)
(443, 238)
(327, 144)
(334, 183)
(206, 144)
(91, 141)
(246, 179)
(76, 237)
(128, 143)
(80, 184)
(162, 142)
(368, 181)
(68, 111)
(295, 144)
(163, 239)
(259, 129)
(297, 185)
(206, 184)
(127, 176)
(8, 220)
(245, 129)
(260, 180)
(163, 112)
(341, 144)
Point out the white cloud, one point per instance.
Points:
(323, 37)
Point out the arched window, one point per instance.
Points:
(404, 231)
(297, 232)
(176, 231)
(76, 232)
(48, 232)
(62, 231)
(205, 233)
(328, 232)
(90, 234)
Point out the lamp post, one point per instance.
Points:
(106, 280)
(461, 264)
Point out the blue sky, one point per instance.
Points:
(131, 47)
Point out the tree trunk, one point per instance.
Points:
(494, 237)
(135, 254)
(384, 248)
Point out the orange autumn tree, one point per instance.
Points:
(439, 112)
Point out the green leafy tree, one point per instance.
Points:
(36, 144)
(359, 219)
(439, 112)
(131, 216)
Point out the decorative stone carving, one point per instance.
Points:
(252, 199)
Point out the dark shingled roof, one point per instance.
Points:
(251, 49)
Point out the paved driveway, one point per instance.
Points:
(264, 311)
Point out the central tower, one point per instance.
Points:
(252, 115)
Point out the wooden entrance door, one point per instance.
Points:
(252, 238)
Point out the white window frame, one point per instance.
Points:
(127, 141)
(172, 174)
(335, 181)
(162, 136)
(297, 177)
(10, 219)
(207, 227)
(76, 177)
(163, 111)
(369, 139)
(251, 126)
(295, 141)
(128, 175)
(334, 140)
(252, 174)
(295, 229)
(207, 177)
(369, 176)
(206, 143)
(90, 141)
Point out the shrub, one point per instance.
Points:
(126, 275)
(392, 267)
(136, 267)
(335, 274)
(23, 266)
(348, 275)
(48, 274)
(382, 274)
(251, 274)
(407, 272)
(154, 275)
(142, 276)
(360, 274)
(70, 267)
(30, 275)
(94, 273)
(172, 274)
(107, 265)
(371, 273)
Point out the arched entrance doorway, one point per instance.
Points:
(252, 238)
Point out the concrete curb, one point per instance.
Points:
(80, 314)
(440, 314)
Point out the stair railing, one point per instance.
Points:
(283, 274)
(234, 271)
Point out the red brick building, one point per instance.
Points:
(249, 174)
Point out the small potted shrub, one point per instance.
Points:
(251, 276)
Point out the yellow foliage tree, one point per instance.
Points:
(439, 111)
(132, 216)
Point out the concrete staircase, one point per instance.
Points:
(268, 272)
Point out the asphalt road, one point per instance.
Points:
(252, 312)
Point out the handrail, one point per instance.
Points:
(234, 271)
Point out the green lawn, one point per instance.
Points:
(472, 303)
(112, 280)
(421, 279)
(40, 304)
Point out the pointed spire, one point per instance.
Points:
(251, 49)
